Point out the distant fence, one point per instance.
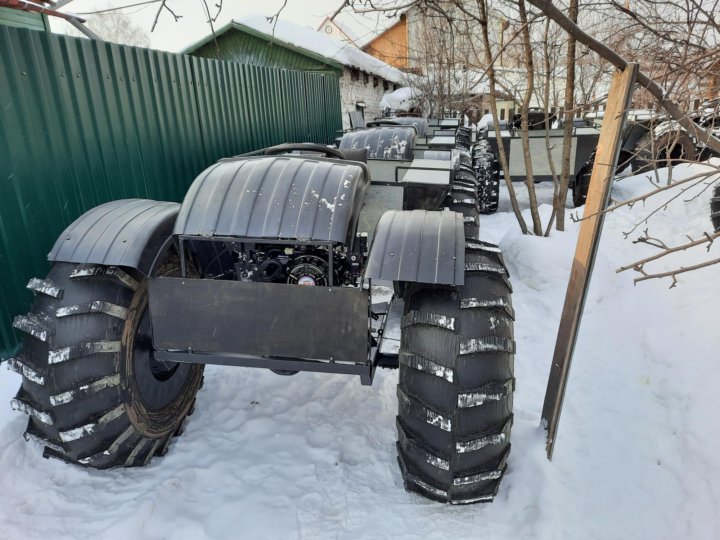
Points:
(84, 122)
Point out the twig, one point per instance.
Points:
(273, 19)
(211, 20)
(675, 273)
(338, 10)
(638, 265)
(163, 5)
(641, 198)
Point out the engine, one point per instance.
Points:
(297, 265)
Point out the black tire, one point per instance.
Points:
(668, 148)
(490, 194)
(715, 208)
(488, 170)
(581, 185)
(463, 199)
(94, 395)
(456, 383)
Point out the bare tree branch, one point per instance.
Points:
(638, 265)
(674, 273)
(703, 135)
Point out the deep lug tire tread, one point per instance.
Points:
(454, 401)
(72, 386)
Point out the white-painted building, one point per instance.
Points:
(336, 30)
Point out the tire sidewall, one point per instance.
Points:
(151, 422)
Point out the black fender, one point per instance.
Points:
(391, 143)
(418, 246)
(276, 197)
(128, 232)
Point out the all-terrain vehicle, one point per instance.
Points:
(649, 140)
(542, 143)
(272, 261)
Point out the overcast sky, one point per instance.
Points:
(175, 36)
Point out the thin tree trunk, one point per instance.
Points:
(496, 122)
(529, 179)
(559, 202)
(548, 147)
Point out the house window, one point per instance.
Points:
(502, 114)
(487, 111)
(354, 75)
(375, 82)
(385, 85)
(366, 78)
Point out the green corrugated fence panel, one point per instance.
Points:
(84, 122)
(22, 19)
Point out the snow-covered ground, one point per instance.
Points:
(312, 456)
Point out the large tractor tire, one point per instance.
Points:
(456, 383)
(581, 185)
(463, 199)
(95, 394)
(670, 148)
(490, 195)
(715, 208)
(487, 168)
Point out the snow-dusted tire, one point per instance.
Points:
(463, 199)
(93, 394)
(715, 208)
(488, 172)
(668, 148)
(490, 193)
(456, 383)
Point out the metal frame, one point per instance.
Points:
(451, 170)
(365, 371)
(235, 240)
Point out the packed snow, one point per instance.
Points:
(313, 456)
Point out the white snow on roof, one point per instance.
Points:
(346, 30)
(402, 99)
(331, 48)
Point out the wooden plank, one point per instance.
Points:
(588, 240)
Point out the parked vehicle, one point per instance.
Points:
(650, 140)
(272, 261)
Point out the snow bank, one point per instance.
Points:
(402, 99)
(313, 456)
(334, 49)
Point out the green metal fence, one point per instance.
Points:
(85, 122)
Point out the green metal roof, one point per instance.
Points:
(240, 43)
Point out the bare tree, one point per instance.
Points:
(118, 28)
(569, 107)
(529, 65)
(114, 27)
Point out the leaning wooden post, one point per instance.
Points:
(588, 240)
